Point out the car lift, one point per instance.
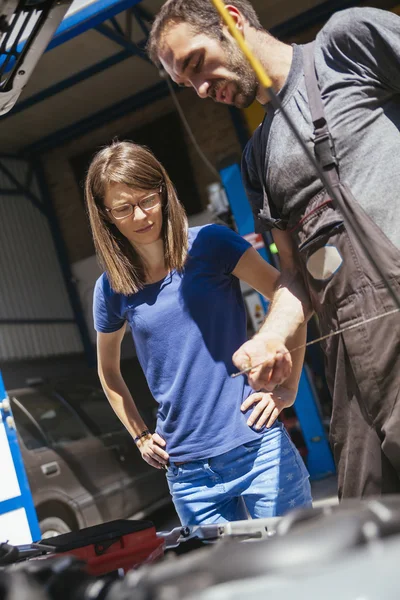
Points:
(26, 28)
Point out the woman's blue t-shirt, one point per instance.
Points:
(186, 328)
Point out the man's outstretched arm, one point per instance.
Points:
(289, 310)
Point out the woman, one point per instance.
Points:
(178, 289)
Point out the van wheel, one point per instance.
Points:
(51, 526)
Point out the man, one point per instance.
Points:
(356, 58)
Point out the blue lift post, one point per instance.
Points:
(17, 512)
(319, 459)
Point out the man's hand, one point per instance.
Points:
(268, 406)
(151, 449)
(272, 353)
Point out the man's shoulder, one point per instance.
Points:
(349, 24)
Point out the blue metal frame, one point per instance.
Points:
(118, 36)
(116, 25)
(25, 500)
(320, 461)
(143, 13)
(111, 61)
(106, 115)
(319, 458)
(74, 298)
(21, 190)
(138, 13)
(88, 18)
(121, 40)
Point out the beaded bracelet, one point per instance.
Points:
(143, 434)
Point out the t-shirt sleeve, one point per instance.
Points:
(258, 198)
(224, 246)
(105, 313)
(365, 41)
(253, 187)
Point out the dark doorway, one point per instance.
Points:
(165, 138)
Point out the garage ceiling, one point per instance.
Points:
(26, 125)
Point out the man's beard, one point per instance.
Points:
(244, 79)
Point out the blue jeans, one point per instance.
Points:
(263, 478)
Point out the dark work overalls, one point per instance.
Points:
(362, 365)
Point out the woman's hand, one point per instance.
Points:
(268, 406)
(151, 449)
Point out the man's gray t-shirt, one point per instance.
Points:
(357, 57)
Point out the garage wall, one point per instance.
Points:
(31, 285)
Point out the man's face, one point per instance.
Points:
(215, 69)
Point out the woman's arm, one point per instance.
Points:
(120, 398)
(257, 272)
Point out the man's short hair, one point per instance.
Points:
(201, 15)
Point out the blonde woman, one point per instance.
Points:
(224, 452)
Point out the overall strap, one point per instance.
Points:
(323, 144)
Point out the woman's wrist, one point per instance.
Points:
(141, 437)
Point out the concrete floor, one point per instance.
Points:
(324, 491)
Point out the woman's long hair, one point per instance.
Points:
(137, 167)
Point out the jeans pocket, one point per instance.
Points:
(172, 471)
(253, 445)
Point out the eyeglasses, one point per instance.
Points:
(145, 204)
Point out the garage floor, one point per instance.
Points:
(324, 491)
